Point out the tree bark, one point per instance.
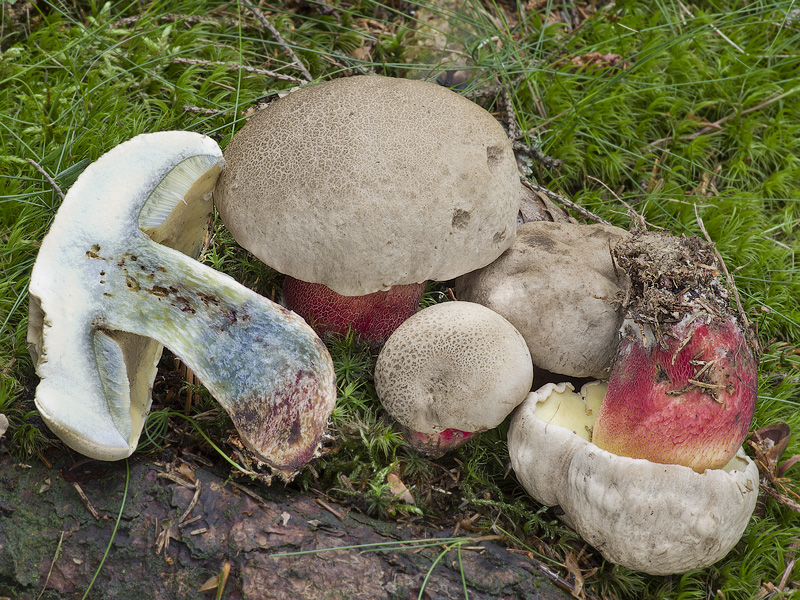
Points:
(181, 524)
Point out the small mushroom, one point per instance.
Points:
(450, 371)
(367, 184)
(558, 286)
(657, 518)
(111, 284)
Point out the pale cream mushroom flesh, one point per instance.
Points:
(450, 371)
(657, 518)
(362, 186)
(107, 291)
(557, 284)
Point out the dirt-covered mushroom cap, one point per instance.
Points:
(369, 182)
(657, 518)
(453, 366)
(110, 285)
(557, 285)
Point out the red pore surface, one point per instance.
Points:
(689, 405)
(373, 316)
(437, 444)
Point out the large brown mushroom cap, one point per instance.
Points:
(558, 286)
(364, 183)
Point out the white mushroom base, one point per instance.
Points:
(660, 519)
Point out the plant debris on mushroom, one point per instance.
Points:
(112, 283)
(684, 382)
(450, 371)
(360, 189)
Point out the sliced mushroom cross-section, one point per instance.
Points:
(107, 290)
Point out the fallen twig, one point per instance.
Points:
(745, 321)
(717, 125)
(46, 175)
(86, 502)
(564, 201)
(714, 28)
(193, 503)
(336, 513)
(278, 38)
(248, 69)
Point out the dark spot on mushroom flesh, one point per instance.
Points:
(541, 242)
(494, 157)
(460, 218)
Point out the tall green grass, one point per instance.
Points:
(691, 109)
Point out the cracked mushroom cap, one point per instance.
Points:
(557, 285)
(454, 365)
(374, 181)
(656, 518)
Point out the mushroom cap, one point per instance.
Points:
(556, 284)
(660, 519)
(455, 365)
(368, 182)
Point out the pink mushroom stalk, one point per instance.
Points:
(683, 386)
(373, 316)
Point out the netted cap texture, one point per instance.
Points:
(453, 365)
(367, 182)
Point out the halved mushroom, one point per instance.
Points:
(362, 188)
(450, 371)
(104, 296)
(657, 518)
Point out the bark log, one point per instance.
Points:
(180, 526)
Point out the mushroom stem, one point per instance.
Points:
(217, 327)
(373, 316)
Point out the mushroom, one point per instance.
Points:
(450, 371)
(684, 383)
(368, 184)
(657, 518)
(111, 284)
(558, 286)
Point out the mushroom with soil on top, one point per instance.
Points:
(112, 282)
(361, 189)
(658, 518)
(647, 312)
(450, 371)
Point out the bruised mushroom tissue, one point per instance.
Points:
(106, 293)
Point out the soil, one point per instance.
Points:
(183, 524)
(670, 276)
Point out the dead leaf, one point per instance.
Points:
(399, 490)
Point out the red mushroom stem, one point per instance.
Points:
(373, 316)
